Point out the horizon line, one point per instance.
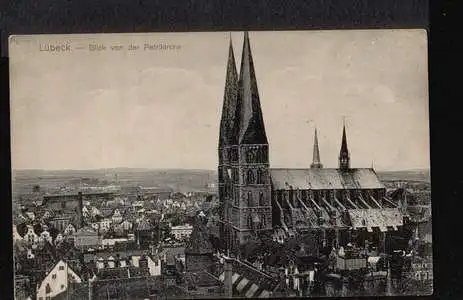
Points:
(201, 169)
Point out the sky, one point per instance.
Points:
(161, 108)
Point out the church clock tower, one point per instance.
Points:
(244, 177)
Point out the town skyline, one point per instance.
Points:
(113, 118)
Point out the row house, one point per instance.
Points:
(153, 264)
(136, 258)
(182, 232)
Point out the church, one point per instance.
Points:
(342, 204)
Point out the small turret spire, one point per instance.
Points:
(344, 158)
(316, 164)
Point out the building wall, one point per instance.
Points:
(154, 266)
(195, 263)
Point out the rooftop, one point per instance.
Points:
(322, 179)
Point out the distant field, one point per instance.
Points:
(411, 175)
(178, 180)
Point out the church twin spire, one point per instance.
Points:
(228, 125)
(242, 121)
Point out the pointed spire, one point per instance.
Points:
(252, 129)
(316, 164)
(229, 109)
(344, 159)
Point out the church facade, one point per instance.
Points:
(255, 198)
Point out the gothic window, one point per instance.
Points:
(250, 156)
(249, 221)
(264, 155)
(259, 155)
(260, 177)
(237, 197)
(261, 199)
(250, 199)
(47, 289)
(263, 221)
(250, 177)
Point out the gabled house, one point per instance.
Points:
(31, 237)
(70, 230)
(117, 216)
(47, 215)
(59, 239)
(57, 281)
(46, 236)
(30, 215)
(105, 224)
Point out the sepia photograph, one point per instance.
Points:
(243, 164)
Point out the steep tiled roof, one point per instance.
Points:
(381, 218)
(202, 278)
(321, 179)
(248, 282)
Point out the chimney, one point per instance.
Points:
(80, 208)
(228, 277)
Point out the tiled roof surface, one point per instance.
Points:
(121, 254)
(369, 218)
(321, 179)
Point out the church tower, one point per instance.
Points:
(251, 213)
(228, 148)
(344, 158)
(316, 163)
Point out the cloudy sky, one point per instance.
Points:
(161, 108)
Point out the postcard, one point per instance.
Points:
(260, 164)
